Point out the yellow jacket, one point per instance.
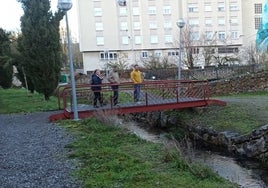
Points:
(135, 76)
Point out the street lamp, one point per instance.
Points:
(107, 58)
(66, 5)
(180, 23)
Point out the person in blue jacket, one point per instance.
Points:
(96, 81)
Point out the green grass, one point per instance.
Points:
(21, 101)
(112, 157)
(243, 113)
(248, 94)
(229, 118)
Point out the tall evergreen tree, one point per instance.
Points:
(40, 45)
(6, 68)
(20, 64)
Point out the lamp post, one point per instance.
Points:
(107, 58)
(66, 5)
(180, 23)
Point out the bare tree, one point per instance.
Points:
(155, 62)
(262, 59)
(208, 43)
(77, 56)
(250, 54)
(190, 44)
(226, 53)
(121, 61)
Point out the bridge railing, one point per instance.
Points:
(152, 93)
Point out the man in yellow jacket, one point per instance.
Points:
(136, 78)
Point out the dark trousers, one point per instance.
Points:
(97, 97)
(115, 95)
(137, 91)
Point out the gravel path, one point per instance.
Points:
(32, 153)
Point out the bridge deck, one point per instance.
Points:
(155, 95)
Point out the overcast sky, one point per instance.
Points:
(11, 11)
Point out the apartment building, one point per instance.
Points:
(130, 31)
(252, 19)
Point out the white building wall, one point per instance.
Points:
(93, 62)
(113, 34)
(248, 21)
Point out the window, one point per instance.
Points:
(123, 11)
(208, 8)
(105, 55)
(221, 7)
(125, 40)
(223, 50)
(258, 8)
(123, 26)
(209, 35)
(194, 22)
(192, 8)
(234, 35)
(153, 25)
(154, 39)
(157, 53)
(99, 26)
(97, 12)
(221, 21)
(234, 20)
(233, 7)
(195, 35)
(208, 21)
(221, 35)
(136, 26)
(196, 51)
(100, 40)
(166, 10)
(258, 22)
(152, 10)
(168, 39)
(136, 11)
(173, 53)
(168, 25)
(144, 54)
(122, 2)
(137, 39)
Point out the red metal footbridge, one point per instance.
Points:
(156, 95)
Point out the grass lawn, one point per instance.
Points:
(21, 101)
(243, 113)
(110, 156)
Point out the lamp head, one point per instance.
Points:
(65, 5)
(180, 23)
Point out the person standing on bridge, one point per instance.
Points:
(136, 78)
(96, 81)
(115, 80)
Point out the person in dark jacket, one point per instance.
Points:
(96, 81)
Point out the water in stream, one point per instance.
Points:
(227, 167)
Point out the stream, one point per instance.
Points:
(243, 173)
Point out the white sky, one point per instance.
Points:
(11, 11)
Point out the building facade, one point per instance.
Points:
(133, 30)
